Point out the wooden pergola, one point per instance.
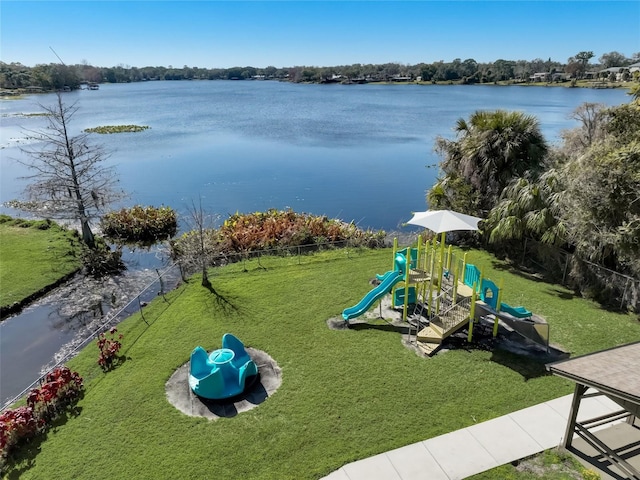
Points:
(614, 373)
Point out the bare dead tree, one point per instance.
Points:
(197, 248)
(70, 180)
(592, 118)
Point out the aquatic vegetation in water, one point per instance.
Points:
(140, 224)
(117, 129)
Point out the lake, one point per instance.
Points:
(356, 152)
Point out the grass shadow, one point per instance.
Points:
(383, 327)
(508, 349)
(519, 271)
(219, 301)
(562, 294)
(526, 366)
(24, 456)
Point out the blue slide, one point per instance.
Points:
(389, 279)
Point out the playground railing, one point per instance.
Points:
(455, 314)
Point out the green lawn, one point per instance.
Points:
(345, 395)
(33, 255)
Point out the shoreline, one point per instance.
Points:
(15, 94)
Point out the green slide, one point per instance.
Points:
(388, 281)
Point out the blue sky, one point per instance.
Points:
(215, 34)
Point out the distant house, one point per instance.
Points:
(617, 71)
(635, 67)
(539, 77)
(559, 77)
(548, 77)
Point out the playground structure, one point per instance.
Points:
(223, 373)
(438, 293)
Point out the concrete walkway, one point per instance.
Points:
(483, 446)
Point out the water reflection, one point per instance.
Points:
(45, 332)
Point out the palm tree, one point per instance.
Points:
(529, 208)
(490, 150)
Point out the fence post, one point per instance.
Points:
(181, 272)
(161, 285)
(566, 266)
(624, 294)
(141, 312)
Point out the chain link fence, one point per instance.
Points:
(590, 279)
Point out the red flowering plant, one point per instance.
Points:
(109, 348)
(16, 425)
(61, 388)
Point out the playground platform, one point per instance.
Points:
(462, 453)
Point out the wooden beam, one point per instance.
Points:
(573, 414)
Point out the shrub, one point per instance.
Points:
(16, 426)
(109, 348)
(286, 228)
(42, 224)
(61, 389)
(102, 261)
(589, 474)
(244, 234)
(140, 224)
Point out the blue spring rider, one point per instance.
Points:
(222, 373)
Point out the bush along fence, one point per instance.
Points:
(109, 346)
(56, 396)
(590, 279)
(297, 252)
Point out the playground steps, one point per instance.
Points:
(428, 348)
(431, 337)
(431, 334)
(440, 328)
(455, 319)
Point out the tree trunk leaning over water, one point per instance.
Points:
(70, 181)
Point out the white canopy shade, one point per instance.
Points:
(440, 221)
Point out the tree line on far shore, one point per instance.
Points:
(56, 76)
